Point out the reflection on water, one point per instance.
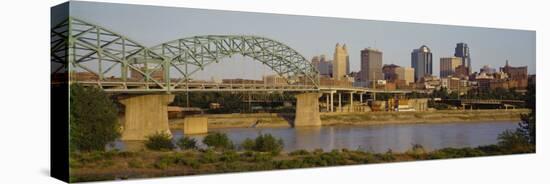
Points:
(369, 138)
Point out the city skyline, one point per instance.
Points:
(309, 37)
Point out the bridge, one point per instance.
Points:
(471, 103)
(120, 65)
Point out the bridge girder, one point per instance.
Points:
(79, 46)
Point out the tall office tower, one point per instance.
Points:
(447, 65)
(371, 66)
(340, 61)
(347, 65)
(405, 73)
(389, 72)
(315, 62)
(462, 51)
(421, 61)
(322, 65)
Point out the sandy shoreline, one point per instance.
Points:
(271, 120)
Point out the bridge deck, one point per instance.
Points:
(151, 87)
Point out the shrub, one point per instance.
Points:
(93, 119)
(135, 163)
(248, 144)
(218, 141)
(160, 141)
(268, 143)
(262, 157)
(229, 156)
(264, 143)
(317, 151)
(209, 156)
(187, 143)
(514, 142)
(456, 153)
(299, 152)
(416, 149)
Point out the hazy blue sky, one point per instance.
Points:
(152, 25)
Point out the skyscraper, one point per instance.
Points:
(447, 65)
(405, 73)
(339, 66)
(322, 65)
(371, 66)
(462, 51)
(421, 61)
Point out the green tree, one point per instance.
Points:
(160, 141)
(523, 139)
(264, 143)
(218, 141)
(527, 126)
(187, 143)
(513, 141)
(268, 143)
(93, 119)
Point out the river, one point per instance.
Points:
(379, 138)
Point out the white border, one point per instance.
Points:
(25, 90)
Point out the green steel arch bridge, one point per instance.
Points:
(91, 55)
(96, 56)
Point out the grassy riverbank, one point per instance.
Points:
(440, 116)
(271, 120)
(94, 166)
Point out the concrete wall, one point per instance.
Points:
(419, 104)
(307, 110)
(195, 125)
(145, 115)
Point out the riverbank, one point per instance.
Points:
(441, 116)
(96, 166)
(272, 120)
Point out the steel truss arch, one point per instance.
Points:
(200, 51)
(108, 58)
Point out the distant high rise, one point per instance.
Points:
(371, 66)
(389, 72)
(393, 73)
(340, 62)
(421, 61)
(487, 69)
(405, 73)
(347, 65)
(447, 65)
(463, 51)
(515, 73)
(322, 65)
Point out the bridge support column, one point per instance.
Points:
(361, 98)
(307, 110)
(145, 115)
(328, 102)
(195, 125)
(339, 102)
(331, 101)
(351, 102)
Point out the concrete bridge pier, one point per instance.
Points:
(195, 125)
(145, 115)
(307, 110)
(339, 102)
(350, 102)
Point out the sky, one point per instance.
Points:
(309, 35)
